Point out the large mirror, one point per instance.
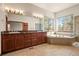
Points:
(14, 26)
(17, 26)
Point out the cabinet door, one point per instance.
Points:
(19, 41)
(27, 40)
(34, 39)
(41, 37)
(44, 37)
(38, 37)
(7, 45)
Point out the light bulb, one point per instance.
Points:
(17, 11)
(21, 12)
(7, 9)
(38, 15)
(12, 10)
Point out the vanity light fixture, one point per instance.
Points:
(37, 15)
(14, 11)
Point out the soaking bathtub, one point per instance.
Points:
(61, 38)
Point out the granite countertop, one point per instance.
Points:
(19, 32)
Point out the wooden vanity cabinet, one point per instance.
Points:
(16, 41)
(39, 38)
(27, 40)
(34, 39)
(19, 41)
(7, 43)
(44, 37)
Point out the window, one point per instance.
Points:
(61, 24)
(48, 24)
(64, 24)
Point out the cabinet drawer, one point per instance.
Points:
(5, 37)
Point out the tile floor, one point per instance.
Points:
(46, 50)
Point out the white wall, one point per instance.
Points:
(30, 20)
(73, 10)
(2, 23)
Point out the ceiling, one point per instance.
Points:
(46, 9)
(28, 8)
(55, 7)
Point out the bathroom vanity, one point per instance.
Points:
(17, 40)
